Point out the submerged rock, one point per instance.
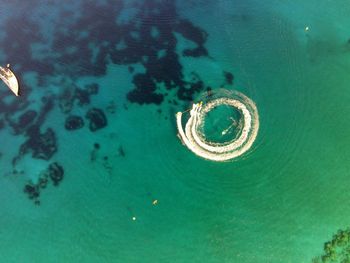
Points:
(66, 101)
(42, 145)
(22, 122)
(32, 191)
(27, 118)
(42, 183)
(56, 173)
(145, 90)
(92, 89)
(111, 108)
(191, 32)
(74, 122)
(121, 151)
(229, 77)
(196, 52)
(82, 96)
(97, 119)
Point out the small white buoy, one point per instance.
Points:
(133, 218)
(307, 28)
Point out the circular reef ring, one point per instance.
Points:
(192, 134)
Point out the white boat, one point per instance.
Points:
(9, 78)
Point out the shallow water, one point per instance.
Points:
(277, 203)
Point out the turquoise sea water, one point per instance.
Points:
(277, 203)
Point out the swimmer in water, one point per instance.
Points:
(234, 123)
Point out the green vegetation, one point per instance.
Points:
(336, 250)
